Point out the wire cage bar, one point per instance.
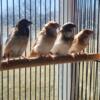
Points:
(59, 79)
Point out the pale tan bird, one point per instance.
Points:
(81, 41)
(64, 40)
(45, 39)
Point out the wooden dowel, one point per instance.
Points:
(33, 62)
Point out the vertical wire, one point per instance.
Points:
(25, 50)
(50, 10)
(35, 17)
(7, 36)
(45, 65)
(83, 66)
(71, 83)
(90, 62)
(30, 26)
(96, 83)
(45, 12)
(78, 94)
(25, 8)
(58, 64)
(76, 21)
(84, 23)
(88, 24)
(45, 82)
(19, 68)
(96, 72)
(25, 82)
(75, 79)
(54, 64)
(67, 75)
(62, 79)
(35, 37)
(79, 4)
(1, 48)
(55, 10)
(71, 91)
(86, 82)
(19, 8)
(94, 43)
(58, 80)
(67, 64)
(62, 64)
(54, 84)
(49, 65)
(30, 84)
(97, 64)
(90, 83)
(76, 64)
(13, 12)
(49, 81)
(93, 47)
(84, 18)
(14, 69)
(87, 63)
(40, 29)
(40, 84)
(35, 83)
(30, 50)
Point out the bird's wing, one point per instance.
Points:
(42, 32)
(74, 45)
(33, 54)
(11, 34)
(10, 42)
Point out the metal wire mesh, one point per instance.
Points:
(79, 81)
(86, 82)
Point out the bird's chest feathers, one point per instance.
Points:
(84, 42)
(22, 41)
(22, 32)
(67, 40)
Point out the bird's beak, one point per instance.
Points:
(74, 25)
(30, 23)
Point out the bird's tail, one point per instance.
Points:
(97, 56)
(33, 54)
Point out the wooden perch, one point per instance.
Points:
(22, 63)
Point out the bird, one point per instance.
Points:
(45, 40)
(64, 40)
(81, 41)
(17, 40)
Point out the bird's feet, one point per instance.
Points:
(78, 53)
(26, 58)
(52, 56)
